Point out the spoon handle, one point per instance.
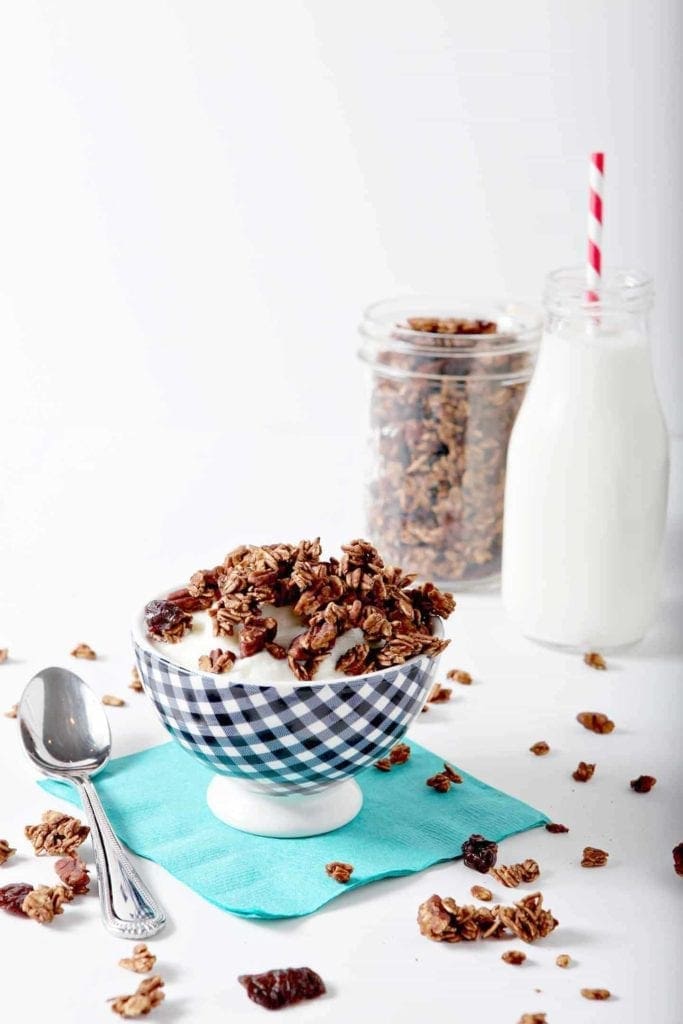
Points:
(128, 908)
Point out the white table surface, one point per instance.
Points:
(88, 529)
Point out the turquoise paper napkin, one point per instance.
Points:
(156, 801)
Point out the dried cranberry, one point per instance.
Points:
(166, 619)
(278, 988)
(678, 859)
(12, 896)
(554, 826)
(479, 854)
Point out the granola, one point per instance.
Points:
(340, 871)
(643, 784)
(480, 892)
(442, 780)
(595, 660)
(135, 681)
(595, 721)
(596, 993)
(593, 857)
(540, 749)
(439, 694)
(328, 597)
(57, 834)
(583, 772)
(513, 956)
(533, 1018)
(512, 874)
(563, 960)
(142, 961)
(147, 995)
(6, 851)
(458, 675)
(83, 651)
(45, 902)
(443, 920)
(442, 408)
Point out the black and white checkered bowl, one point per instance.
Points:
(285, 737)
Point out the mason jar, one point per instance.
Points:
(446, 381)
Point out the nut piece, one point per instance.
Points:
(595, 660)
(113, 702)
(596, 993)
(555, 827)
(595, 721)
(563, 960)
(480, 892)
(57, 834)
(83, 651)
(4, 654)
(442, 920)
(678, 859)
(384, 764)
(340, 871)
(511, 875)
(135, 681)
(217, 661)
(13, 711)
(147, 995)
(458, 675)
(441, 782)
(533, 1018)
(514, 956)
(45, 903)
(593, 857)
(399, 754)
(583, 772)
(439, 694)
(6, 851)
(142, 961)
(643, 784)
(540, 749)
(74, 874)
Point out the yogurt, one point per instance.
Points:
(261, 667)
(586, 492)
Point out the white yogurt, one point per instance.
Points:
(586, 493)
(261, 667)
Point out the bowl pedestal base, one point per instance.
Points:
(294, 816)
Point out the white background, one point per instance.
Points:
(196, 200)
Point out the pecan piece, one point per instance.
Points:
(439, 694)
(512, 874)
(513, 956)
(480, 892)
(217, 661)
(135, 681)
(83, 651)
(354, 661)
(458, 675)
(384, 764)
(255, 634)
(6, 851)
(540, 749)
(595, 660)
(399, 754)
(583, 772)
(643, 784)
(595, 721)
(593, 857)
(340, 871)
(596, 993)
(73, 874)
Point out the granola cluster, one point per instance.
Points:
(329, 596)
(445, 396)
(56, 834)
(443, 920)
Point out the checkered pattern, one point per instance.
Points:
(299, 737)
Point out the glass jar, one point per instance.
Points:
(587, 474)
(447, 379)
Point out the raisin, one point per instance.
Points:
(166, 620)
(278, 988)
(479, 853)
(12, 896)
(554, 826)
(678, 859)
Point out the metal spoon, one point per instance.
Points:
(66, 734)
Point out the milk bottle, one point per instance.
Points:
(587, 472)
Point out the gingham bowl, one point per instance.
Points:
(285, 753)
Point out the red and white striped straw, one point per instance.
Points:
(594, 264)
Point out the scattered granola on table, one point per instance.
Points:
(6, 851)
(479, 853)
(340, 871)
(595, 721)
(13, 711)
(83, 651)
(540, 749)
(458, 675)
(513, 956)
(443, 920)
(113, 702)
(595, 660)
(596, 993)
(73, 873)
(324, 600)
(593, 857)
(142, 961)
(678, 859)
(439, 694)
(135, 681)
(58, 834)
(555, 827)
(45, 902)
(480, 892)
(147, 995)
(282, 987)
(583, 772)
(441, 782)
(563, 960)
(512, 874)
(12, 897)
(643, 784)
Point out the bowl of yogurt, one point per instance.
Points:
(287, 674)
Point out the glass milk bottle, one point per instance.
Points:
(587, 471)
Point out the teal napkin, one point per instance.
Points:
(156, 801)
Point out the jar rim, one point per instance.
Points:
(621, 290)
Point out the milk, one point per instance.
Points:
(586, 490)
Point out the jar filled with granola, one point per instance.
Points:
(447, 380)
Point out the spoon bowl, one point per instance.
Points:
(66, 734)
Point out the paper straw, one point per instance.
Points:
(594, 263)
